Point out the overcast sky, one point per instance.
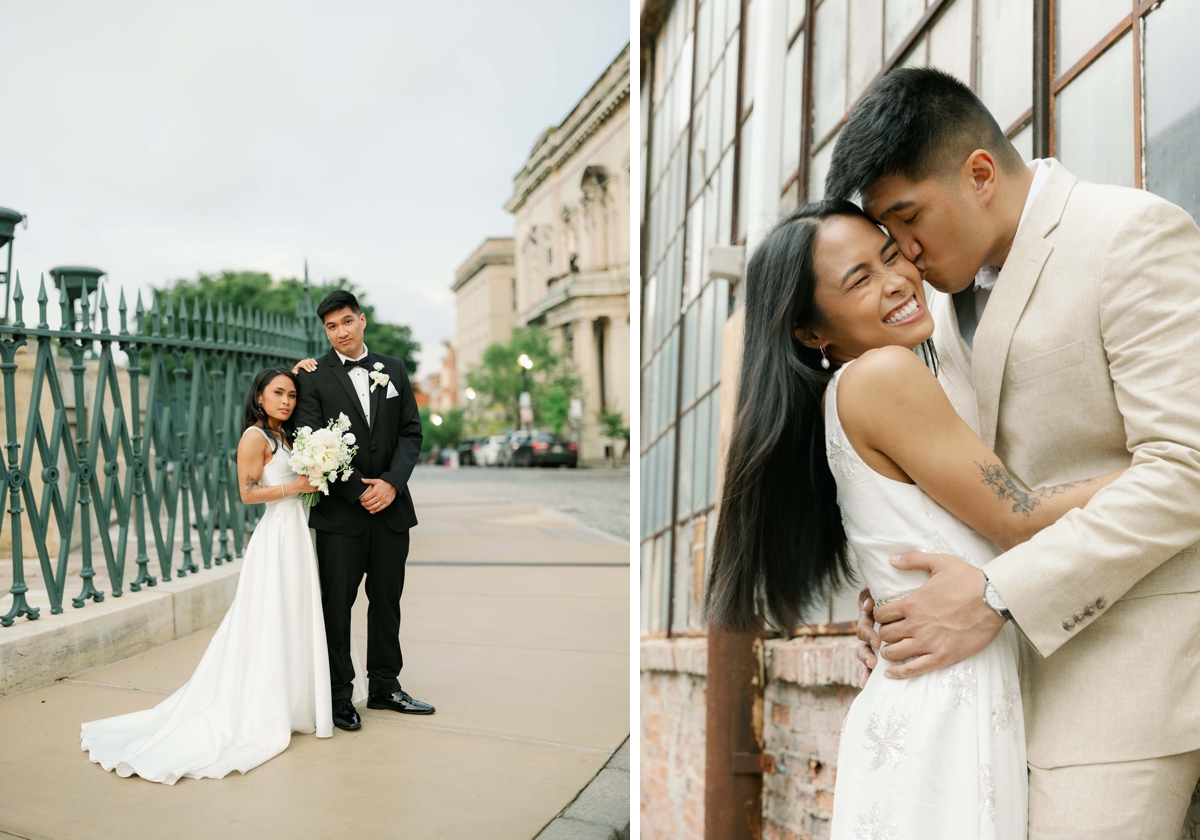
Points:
(157, 140)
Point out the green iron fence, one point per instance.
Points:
(153, 461)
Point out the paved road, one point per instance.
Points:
(597, 497)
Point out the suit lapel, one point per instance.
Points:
(1016, 282)
(339, 373)
(376, 396)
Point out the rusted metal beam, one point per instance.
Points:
(1043, 70)
(734, 758)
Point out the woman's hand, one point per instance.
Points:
(307, 365)
(301, 485)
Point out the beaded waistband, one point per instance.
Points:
(882, 601)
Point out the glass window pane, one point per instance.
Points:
(818, 169)
(829, 67)
(687, 444)
(1172, 103)
(1006, 58)
(658, 588)
(950, 41)
(729, 111)
(795, 15)
(793, 94)
(899, 18)
(1081, 24)
(751, 52)
(718, 26)
(703, 454)
(725, 200)
(704, 368)
(668, 479)
(733, 17)
(714, 444)
(866, 39)
(700, 133)
(918, 54)
(712, 146)
(1094, 131)
(695, 248)
(647, 585)
(670, 379)
(745, 147)
(691, 341)
(703, 43)
(1023, 141)
(680, 615)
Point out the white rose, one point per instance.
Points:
(348, 439)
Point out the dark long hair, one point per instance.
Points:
(780, 543)
(253, 414)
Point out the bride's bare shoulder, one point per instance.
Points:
(884, 380)
(253, 441)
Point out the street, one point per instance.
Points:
(597, 496)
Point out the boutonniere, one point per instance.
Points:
(379, 379)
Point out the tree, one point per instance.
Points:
(552, 381)
(446, 434)
(256, 290)
(614, 428)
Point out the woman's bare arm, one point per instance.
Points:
(900, 421)
(253, 453)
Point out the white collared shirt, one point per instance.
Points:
(988, 274)
(361, 380)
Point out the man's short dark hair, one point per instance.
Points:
(335, 300)
(914, 122)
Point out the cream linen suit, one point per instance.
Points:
(1086, 360)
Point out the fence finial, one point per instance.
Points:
(18, 296)
(42, 299)
(103, 311)
(121, 310)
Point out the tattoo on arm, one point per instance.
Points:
(251, 484)
(997, 478)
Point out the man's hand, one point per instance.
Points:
(866, 633)
(943, 622)
(378, 495)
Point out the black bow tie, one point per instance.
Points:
(353, 363)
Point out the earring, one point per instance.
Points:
(824, 358)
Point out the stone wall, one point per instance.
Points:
(811, 682)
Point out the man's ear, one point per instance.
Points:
(981, 171)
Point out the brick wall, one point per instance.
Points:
(811, 683)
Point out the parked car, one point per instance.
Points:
(543, 449)
(466, 452)
(512, 442)
(488, 452)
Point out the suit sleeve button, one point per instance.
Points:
(1079, 617)
(1101, 603)
(1089, 610)
(1068, 624)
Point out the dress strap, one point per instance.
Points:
(272, 442)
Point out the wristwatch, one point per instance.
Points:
(992, 598)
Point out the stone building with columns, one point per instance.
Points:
(570, 204)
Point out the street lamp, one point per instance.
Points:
(470, 393)
(526, 402)
(435, 419)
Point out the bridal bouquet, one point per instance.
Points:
(322, 455)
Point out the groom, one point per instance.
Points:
(1070, 338)
(362, 525)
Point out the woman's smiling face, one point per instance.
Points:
(868, 294)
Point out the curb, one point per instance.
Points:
(601, 810)
(50, 648)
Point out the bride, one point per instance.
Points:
(265, 673)
(844, 439)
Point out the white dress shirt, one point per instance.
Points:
(986, 278)
(361, 380)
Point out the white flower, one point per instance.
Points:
(348, 439)
(379, 379)
(347, 475)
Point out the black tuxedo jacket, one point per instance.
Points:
(389, 441)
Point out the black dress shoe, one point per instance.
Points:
(345, 716)
(400, 701)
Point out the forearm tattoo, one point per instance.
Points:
(1002, 484)
(251, 484)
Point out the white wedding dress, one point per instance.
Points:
(940, 756)
(264, 675)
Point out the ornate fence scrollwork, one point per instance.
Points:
(136, 436)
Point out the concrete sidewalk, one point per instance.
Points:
(516, 626)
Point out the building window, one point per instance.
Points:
(1123, 109)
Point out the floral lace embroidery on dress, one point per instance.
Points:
(875, 826)
(1004, 709)
(887, 740)
(962, 682)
